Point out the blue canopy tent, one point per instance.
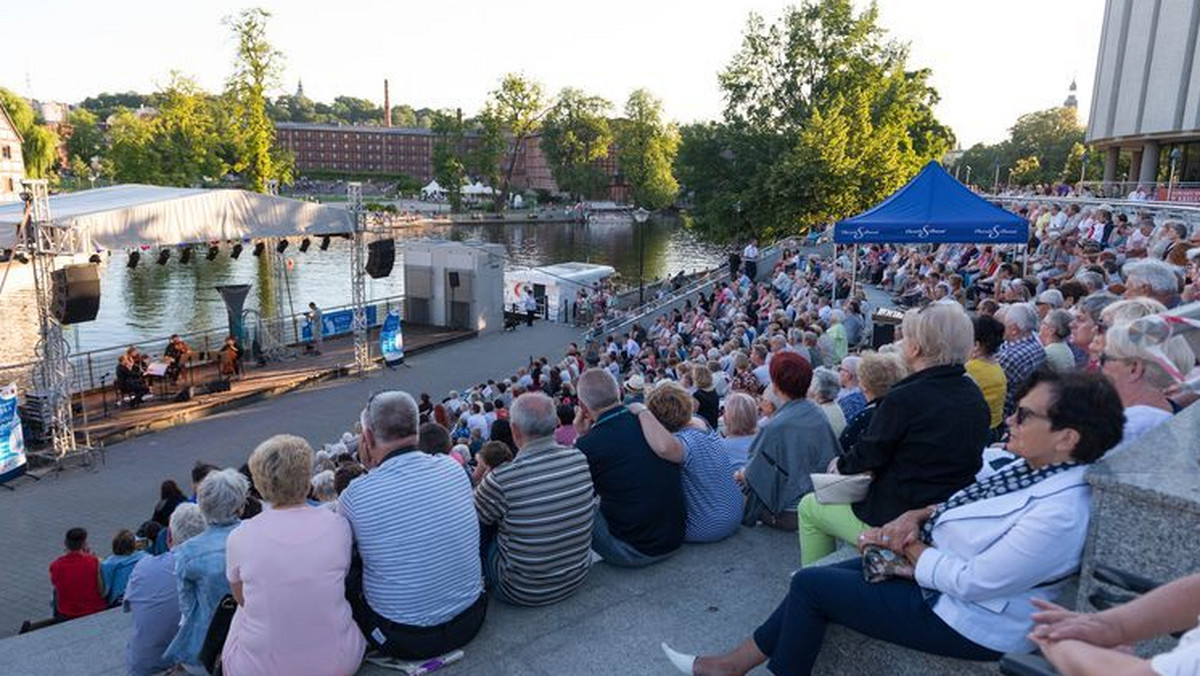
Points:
(932, 208)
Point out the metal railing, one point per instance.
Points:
(95, 368)
(1188, 213)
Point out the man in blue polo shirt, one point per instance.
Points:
(418, 592)
(641, 518)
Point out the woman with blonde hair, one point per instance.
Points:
(1141, 377)
(287, 570)
(708, 404)
(741, 424)
(877, 373)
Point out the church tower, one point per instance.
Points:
(300, 89)
(1071, 101)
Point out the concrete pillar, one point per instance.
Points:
(1111, 156)
(1148, 175)
(1135, 170)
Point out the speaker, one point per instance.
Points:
(381, 256)
(184, 395)
(454, 280)
(76, 291)
(882, 335)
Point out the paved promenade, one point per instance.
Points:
(123, 491)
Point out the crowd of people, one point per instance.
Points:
(968, 437)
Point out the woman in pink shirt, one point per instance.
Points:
(287, 569)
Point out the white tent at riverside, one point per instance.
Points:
(128, 216)
(434, 189)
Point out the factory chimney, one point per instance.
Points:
(387, 106)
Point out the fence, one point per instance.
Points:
(95, 368)
(1188, 213)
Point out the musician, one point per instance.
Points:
(176, 353)
(230, 357)
(131, 379)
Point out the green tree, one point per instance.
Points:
(1026, 170)
(256, 69)
(87, 139)
(575, 136)
(1054, 136)
(104, 105)
(404, 116)
(646, 149)
(39, 144)
(486, 157)
(519, 104)
(449, 148)
(181, 145)
(131, 149)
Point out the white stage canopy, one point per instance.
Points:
(128, 216)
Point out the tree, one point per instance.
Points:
(1053, 136)
(1026, 170)
(519, 105)
(105, 104)
(575, 135)
(488, 153)
(449, 168)
(256, 68)
(39, 144)
(86, 140)
(131, 149)
(404, 116)
(646, 152)
(822, 119)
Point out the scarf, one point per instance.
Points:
(1017, 477)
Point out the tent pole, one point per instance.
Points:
(833, 266)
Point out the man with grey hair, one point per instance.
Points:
(1021, 353)
(641, 515)
(152, 596)
(1151, 278)
(537, 512)
(415, 587)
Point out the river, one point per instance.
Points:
(153, 301)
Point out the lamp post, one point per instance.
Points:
(996, 181)
(1176, 154)
(968, 183)
(1083, 169)
(639, 216)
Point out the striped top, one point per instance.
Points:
(418, 536)
(543, 503)
(711, 496)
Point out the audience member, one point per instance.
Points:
(741, 426)
(983, 369)
(823, 392)
(877, 373)
(115, 569)
(75, 577)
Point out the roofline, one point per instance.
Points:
(14, 128)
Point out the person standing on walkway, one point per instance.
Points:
(750, 259)
(316, 320)
(531, 306)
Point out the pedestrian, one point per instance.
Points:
(316, 320)
(531, 306)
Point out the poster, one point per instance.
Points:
(391, 339)
(12, 443)
(336, 323)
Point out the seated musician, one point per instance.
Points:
(230, 357)
(176, 353)
(130, 375)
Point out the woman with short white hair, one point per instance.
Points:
(1141, 378)
(823, 392)
(1053, 332)
(200, 564)
(287, 570)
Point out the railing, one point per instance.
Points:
(1179, 191)
(95, 368)
(1159, 210)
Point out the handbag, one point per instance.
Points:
(218, 630)
(840, 489)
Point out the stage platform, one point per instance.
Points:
(107, 422)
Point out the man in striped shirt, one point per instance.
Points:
(542, 505)
(417, 591)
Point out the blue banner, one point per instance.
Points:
(336, 323)
(12, 442)
(391, 339)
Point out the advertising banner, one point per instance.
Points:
(336, 323)
(12, 443)
(391, 339)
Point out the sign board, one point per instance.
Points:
(391, 339)
(12, 442)
(336, 323)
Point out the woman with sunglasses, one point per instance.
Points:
(968, 568)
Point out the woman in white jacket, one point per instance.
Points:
(978, 560)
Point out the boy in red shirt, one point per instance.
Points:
(75, 576)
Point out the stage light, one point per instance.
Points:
(304, 244)
(94, 258)
(185, 256)
(259, 248)
(164, 256)
(325, 243)
(134, 257)
(212, 252)
(281, 246)
(237, 251)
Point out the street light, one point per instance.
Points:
(639, 216)
(1083, 169)
(1176, 153)
(968, 183)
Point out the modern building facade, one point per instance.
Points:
(12, 162)
(1146, 99)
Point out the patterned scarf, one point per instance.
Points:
(1016, 477)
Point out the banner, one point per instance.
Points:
(336, 323)
(12, 442)
(391, 339)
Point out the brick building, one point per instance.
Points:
(394, 150)
(12, 163)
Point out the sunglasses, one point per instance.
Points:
(1023, 414)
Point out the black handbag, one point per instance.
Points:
(218, 630)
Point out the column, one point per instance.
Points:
(1111, 156)
(1135, 171)
(1148, 176)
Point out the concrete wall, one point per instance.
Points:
(1148, 72)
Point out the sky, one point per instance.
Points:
(991, 61)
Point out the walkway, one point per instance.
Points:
(122, 492)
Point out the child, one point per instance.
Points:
(490, 456)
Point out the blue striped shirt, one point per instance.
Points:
(711, 496)
(415, 526)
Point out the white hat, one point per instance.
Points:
(635, 383)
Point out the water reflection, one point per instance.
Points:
(153, 300)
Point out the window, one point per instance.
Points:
(7, 152)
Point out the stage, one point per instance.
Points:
(160, 410)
